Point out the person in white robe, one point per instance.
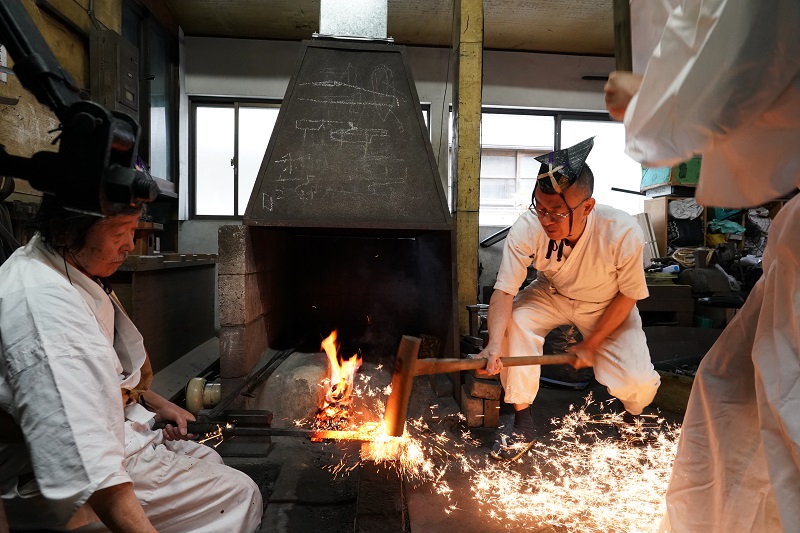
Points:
(74, 380)
(722, 79)
(590, 274)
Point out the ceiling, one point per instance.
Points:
(559, 26)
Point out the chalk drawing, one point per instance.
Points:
(341, 87)
(305, 191)
(267, 202)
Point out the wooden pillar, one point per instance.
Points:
(466, 160)
(623, 53)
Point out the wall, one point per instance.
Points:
(24, 126)
(252, 68)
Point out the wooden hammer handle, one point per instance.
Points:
(443, 366)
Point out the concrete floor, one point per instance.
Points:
(315, 487)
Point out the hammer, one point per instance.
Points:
(407, 365)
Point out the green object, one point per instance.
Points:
(686, 173)
(703, 322)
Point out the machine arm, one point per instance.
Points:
(92, 169)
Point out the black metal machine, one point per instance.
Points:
(92, 169)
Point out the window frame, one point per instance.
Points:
(225, 102)
(196, 101)
(559, 115)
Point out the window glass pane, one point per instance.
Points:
(255, 127)
(526, 187)
(529, 166)
(493, 190)
(608, 161)
(522, 131)
(499, 166)
(213, 170)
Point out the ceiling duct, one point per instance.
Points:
(364, 19)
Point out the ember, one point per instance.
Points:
(335, 412)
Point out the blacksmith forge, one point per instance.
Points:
(347, 227)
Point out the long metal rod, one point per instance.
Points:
(249, 384)
(232, 430)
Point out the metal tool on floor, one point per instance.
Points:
(218, 419)
(407, 365)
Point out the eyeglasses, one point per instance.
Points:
(556, 217)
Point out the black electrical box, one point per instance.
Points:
(114, 72)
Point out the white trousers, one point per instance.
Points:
(623, 361)
(737, 468)
(184, 486)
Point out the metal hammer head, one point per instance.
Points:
(402, 379)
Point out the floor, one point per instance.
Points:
(321, 487)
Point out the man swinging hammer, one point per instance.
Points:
(590, 274)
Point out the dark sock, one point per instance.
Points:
(523, 421)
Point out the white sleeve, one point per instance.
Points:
(516, 259)
(66, 393)
(719, 64)
(630, 269)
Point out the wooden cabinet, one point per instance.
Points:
(170, 302)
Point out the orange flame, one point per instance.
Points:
(341, 374)
(334, 413)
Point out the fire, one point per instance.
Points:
(577, 478)
(334, 413)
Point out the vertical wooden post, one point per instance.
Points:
(623, 52)
(466, 161)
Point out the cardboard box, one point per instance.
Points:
(685, 174)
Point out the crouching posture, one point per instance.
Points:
(590, 274)
(86, 456)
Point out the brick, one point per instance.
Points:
(242, 298)
(488, 389)
(234, 253)
(241, 347)
(495, 377)
(472, 408)
(491, 413)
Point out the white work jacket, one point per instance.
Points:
(606, 260)
(61, 370)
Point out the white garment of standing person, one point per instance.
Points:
(724, 82)
(65, 352)
(606, 260)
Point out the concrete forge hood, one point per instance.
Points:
(348, 218)
(350, 147)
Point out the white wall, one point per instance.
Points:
(252, 68)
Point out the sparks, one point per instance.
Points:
(576, 479)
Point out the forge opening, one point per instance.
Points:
(373, 287)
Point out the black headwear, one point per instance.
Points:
(561, 168)
(559, 171)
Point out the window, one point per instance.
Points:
(230, 139)
(610, 164)
(511, 139)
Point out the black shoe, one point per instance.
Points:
(638, 430)
(511, 447)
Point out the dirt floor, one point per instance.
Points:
(314, 487)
